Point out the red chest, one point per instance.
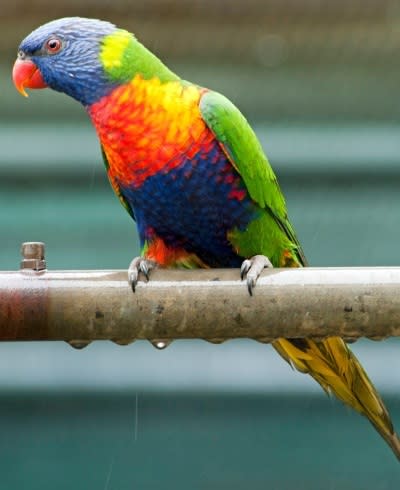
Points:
(146, 127)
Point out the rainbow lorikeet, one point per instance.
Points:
(190, 171)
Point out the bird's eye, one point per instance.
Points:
(53, 45)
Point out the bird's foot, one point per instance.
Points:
(137, 266)
(252, 268)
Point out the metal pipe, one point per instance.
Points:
(213, 304)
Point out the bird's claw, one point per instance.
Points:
(137, 266)
(252, 268)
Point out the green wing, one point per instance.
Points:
(244, 150)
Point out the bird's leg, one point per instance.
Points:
(252, 268)
(139, 264)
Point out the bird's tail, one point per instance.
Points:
(332, 364)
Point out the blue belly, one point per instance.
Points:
(194, 207)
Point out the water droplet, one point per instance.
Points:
(370, 337)
(78, 344)
(216, 340)
(160, 344)
(123, 341)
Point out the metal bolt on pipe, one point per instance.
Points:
(210, 304)
(33, 256)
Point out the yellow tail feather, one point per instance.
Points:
(332, 364)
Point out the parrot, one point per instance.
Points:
(191, 172)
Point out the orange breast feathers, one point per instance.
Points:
(146, 127)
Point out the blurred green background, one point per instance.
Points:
(319, 81)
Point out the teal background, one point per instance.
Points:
(319, 82)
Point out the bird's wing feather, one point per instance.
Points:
(244, 151)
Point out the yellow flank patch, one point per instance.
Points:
(113, 48)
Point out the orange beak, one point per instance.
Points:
(27, 75)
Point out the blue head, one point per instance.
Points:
(65, 55)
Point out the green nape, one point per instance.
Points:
(123, 57)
